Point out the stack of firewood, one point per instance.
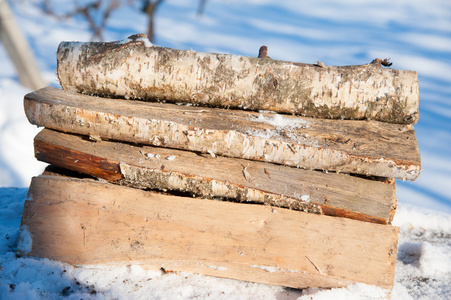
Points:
(303, 159)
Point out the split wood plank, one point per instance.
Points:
(361, 147)
(148, 167)
(133, 68)
(87, 222)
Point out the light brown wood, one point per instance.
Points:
(87, 222)
(164, 169)
(130, 69)
(361, 147)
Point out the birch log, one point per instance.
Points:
(361, 147)
(135, 69)
(147, 167)
(85, 222)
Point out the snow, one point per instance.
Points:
(143, 39)
(423, 266)
(305, 198)
(146, 41)
(414, 34)
(284, 128)
(219, 268)
(25, 241)
(151, 155)
(279, 121)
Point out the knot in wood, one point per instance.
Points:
(263, 52)
(134, 37)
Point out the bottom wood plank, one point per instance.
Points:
(89, 222)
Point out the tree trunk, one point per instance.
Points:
(87, 222)
(361, 147)
(18, 50)
(165, 169)
(132, 70)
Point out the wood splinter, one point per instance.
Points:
(83, 227)
(246, 173)
(316, 267)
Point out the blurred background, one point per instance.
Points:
(414, 34)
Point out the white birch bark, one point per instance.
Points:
(361, 147)
(135, 69)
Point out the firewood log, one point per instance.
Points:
(136, 69)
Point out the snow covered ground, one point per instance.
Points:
(415, 34)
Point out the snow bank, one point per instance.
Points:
(423, 267)
(17, 162)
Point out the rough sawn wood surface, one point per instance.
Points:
(86, 222)
(148, 167)
(361, 147)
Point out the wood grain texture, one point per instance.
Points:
(88, 222)
(132, 70)
(361, 147)
(148, 167)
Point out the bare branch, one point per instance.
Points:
(201, 8)
(88, 11)
(150, 8)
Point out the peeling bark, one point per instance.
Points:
(361, 147)
(147, 167)
(132, 70)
